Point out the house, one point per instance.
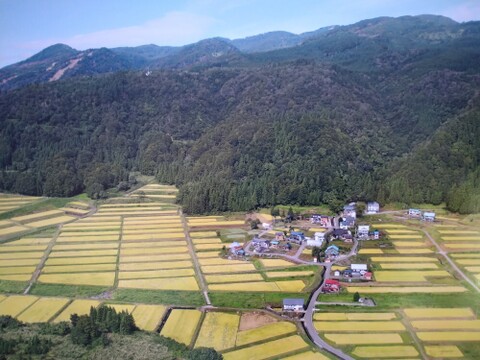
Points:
(297, 235)
(323, 220)
(279, 236)
(293, 305)
(363, 231)
(367, 276)
(347, 222)
(331, 286)
(274, 244)
(332, 250)
(266, 226)
(319, 238)
(429, 216)
(375, 234)
(373, 207)
(237, 249)
(340, 234)
(350, 210)
(359, 268)
(414, 212)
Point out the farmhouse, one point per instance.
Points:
(331, 286)
(237, 249)
(375, 234)
(332, 251)
(373, 207)
(363, 231)
(414, 212)
(347, 222)
(429, 216)
(297, 235)
(350, 210)
(279, 236)
(341, 234)
(293, 305)
(323, 220)
(359, 268)
(318, 239)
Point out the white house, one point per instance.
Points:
(350, 210)
(293, 304)
(362, 231)
(414, 212)
(429, 216)
(358, 267)
(373, 207)
(319, 238)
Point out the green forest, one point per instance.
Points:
(390, 118)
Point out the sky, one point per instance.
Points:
(28, 26)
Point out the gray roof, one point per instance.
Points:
(293, 302)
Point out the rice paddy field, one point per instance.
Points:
(10, 202)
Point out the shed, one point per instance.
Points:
(359, 267)
(373, 207)
(293, 304)
(363, 230)
(429, 216)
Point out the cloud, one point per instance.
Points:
(468, 11)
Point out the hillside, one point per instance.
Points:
(353, 112)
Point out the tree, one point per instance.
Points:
(203, 353)
(356, 297)
(316, 252)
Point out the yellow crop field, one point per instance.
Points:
(268, 350)
(155, 274)
(149, 244)
(405, 289)
(473, 268)
(188, 283)
(277, 274)
(12, 248)
(52, 269)
(270, 263)
(207, 254)
(2, 297)
(91, 233)
(29, 241)
(21, 277)
(353, 316)
(200, 247)
(461, 238)
(53, 221)
(264, 332)
(217, 269)
(408, 236)
(172, 235)
(68, 238)
(219, 331)
(79, 307)
(233, 278)
(370, 251)
(75, 226)
(75, 211)
(446, 324)
(99, 279)
(181, 325)
(408, 276)
(450, 336)
(43, 310)
(13, 230)
(443, 351)
(58, 254)
(21, 255)
(15, 304)
(409, 259)
(155, 250)
(130, 209)
(308, 355)
(121, 307)
(207, 241)
(373, 352)
(170, 229)
(220, 261)
(149, 258)
(468, 261)
(218, 223)
(202, 234)
(388, 226)
(463, 246)
(149, 226)
(79, 204)
(26, 218)
(17, 270)
(155, 265)
(409, 243)
(19, 262)
(459, 232)
(465, 255)
(82, 260)
(408, 266)
(366, 338)
(432, 313)
(95, 246)
(359, 326)
(147, 317)
(414, 251)
(401, 231)
(290, 285)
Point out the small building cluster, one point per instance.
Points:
(236, 249)
(356, 271)
(364, 233)
(318, 239)
(331, 286)
(261, 246)
(322, 220)
(426, 215)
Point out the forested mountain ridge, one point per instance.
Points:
(237, 131)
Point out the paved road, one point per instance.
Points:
(445, 255)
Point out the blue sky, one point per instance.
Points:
(28, 26)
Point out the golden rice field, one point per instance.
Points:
(79, 204)
(202, 234)
(370, 251)
(450, 336)
(52, 221)
(13, 230)
(409, 276)
(20, 277)
(462, 246)
(217, 269)
(17, 270)
(155, 250)
(217, 223)
(290, 285)
(388, 226)
(408, 236)
(124, 275)
(121, 307)
(181, 325)
(74, 211)
(155, 265)
(52, 269)
(398, 259)
(21, 255)
(270, 263)
(307, 355)
(366, 338)
(211, 279)
(277, 274)
(268, 350)
(414, 251)
(371, 352)
(29, 241)
(201, 247)
(62, 254)
(90, 233)
(264, 332)
(95, 279)
(149, 244)
(473, 268)
(15, 304)
(466, 255)
(172, 235)
(408, 266)
(94, 246)
(207, 254)
(359, 326)
(220, 261)
(147, 317)
(409, 243)
(461, 238)
(432, 313)
(179, 283)
(79, 307)
(19, 262)
(446, 324)
(342, 316)
(82, 260)
(169, 229)
(139, 213)
(468, 261)
(69, 238)
(443, 351)
(218, 331)
(38, 215)
(207, 241)
(150, 258)
(43, 310)
(20, 248)
(282, 286)
(405, 289)
(87, 228)
(447, 232)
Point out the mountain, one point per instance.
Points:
(384, 109)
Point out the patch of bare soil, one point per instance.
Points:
(253, 320)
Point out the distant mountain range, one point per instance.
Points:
(383, 109)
